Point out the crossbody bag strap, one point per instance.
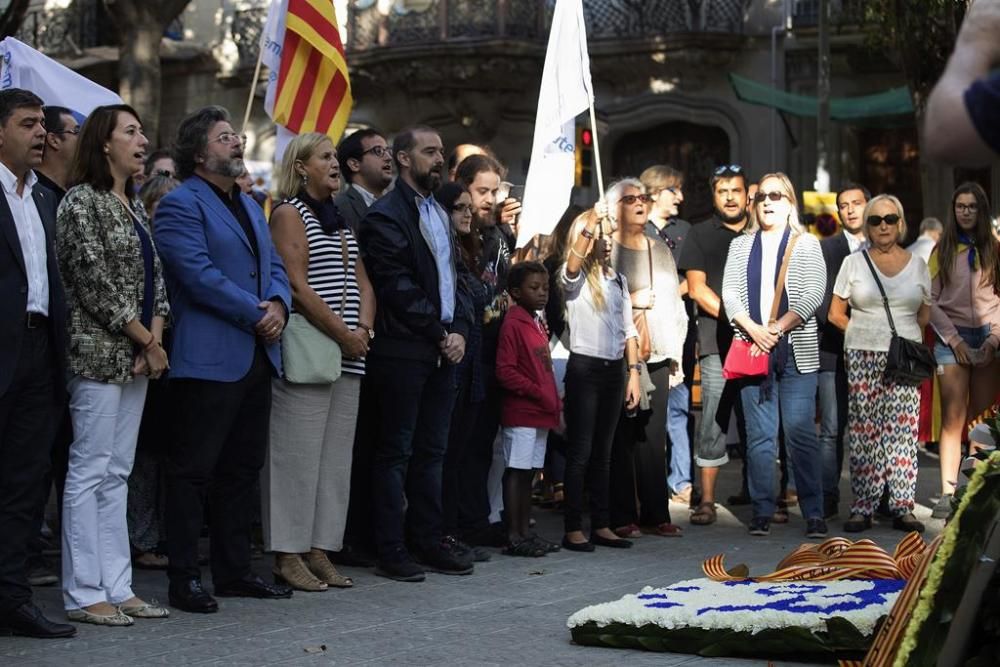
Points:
(885, 299)
(649, 254)
(347, 269)
(779, 286)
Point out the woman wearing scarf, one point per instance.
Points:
(786, 395)
(965, 315)
(882, 415)
(306, 478)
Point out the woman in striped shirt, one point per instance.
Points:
(306, 479)
(787, 394)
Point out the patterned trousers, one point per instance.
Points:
(882, 429)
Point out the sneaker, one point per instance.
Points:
(907, 523)
(444, 558)
(816, 528)
(401, 568)
(477, 554)
(942, 508)
(760, 526)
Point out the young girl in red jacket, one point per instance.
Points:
(531, 404)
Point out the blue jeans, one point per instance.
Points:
(678, 404)
(792, 404)
(832, 429)
(710, 451)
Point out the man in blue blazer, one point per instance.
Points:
(230, 301)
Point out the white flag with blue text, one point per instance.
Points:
(272, 40)
(566, 92)
(57, 85)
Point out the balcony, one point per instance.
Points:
(68, 31)
(805, 13)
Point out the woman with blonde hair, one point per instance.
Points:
(603, 351)
(965, 314)
(775, 318)
(882, 415)
(306, 477)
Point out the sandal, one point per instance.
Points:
(628, 531)
(321, 567)
(550, 547)
(666, 529)
(705, 515)
(526, 548)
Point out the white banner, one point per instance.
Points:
(566, 92)
(56, 84)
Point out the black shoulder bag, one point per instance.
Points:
(910, 363)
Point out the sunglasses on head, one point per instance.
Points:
(773, 196)
(728, 170)
(628, 200)
(876, 220)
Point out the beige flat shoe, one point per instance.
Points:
(117, 619)
(147, 610)
(320, 565)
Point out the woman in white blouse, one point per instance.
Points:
(786, 396)
(882, 416)
(601, 338)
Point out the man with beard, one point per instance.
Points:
(61, 133)
(703, 260)
(832, 380)
(366, 164)
(421, 326)
(230, 299)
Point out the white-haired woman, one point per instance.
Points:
(882, 415)
(786, 394)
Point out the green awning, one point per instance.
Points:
(894, 102)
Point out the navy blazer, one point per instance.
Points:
(831, 339)
(211, 276)
(14, 291)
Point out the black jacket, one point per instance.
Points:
(831, 339)
(14, 291)
(352, 206)
(404, 275)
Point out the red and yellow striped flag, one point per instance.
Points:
(313, 92)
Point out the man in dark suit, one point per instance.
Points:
(32, 356)
(832, 381)
(366, 165)
(230, 299)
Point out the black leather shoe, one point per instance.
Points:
(607, 542)
(583, 547)
(252, 586)
(190, 596)
(28, 621)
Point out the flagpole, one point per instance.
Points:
(597, 149)
(253, 88)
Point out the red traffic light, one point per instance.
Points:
(586, 137)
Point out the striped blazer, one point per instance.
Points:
(805, 285)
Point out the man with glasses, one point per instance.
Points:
(366, 165)
(61, 133)
(703, 260)
(230, 299)
(832, 379)
(665, 184)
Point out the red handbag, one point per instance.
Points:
(739, 363)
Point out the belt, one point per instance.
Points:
(35, 320)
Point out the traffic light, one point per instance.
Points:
(584, 156)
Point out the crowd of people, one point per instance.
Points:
(376, 374)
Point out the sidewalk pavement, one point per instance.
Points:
(511, 611)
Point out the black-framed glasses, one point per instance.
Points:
(377, 151)
(628, 200)
(462, 208)
(967, 208)
(728, 170)
(876, 220)
(773, 196)
(66, 130)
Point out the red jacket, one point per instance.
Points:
(524, 370)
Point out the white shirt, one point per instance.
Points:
(598, 332)
(769, 264)
(855, 243)
(31, 234)
(868, 328)
(367, 196)
(923, 247)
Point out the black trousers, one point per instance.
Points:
(475, 466)
(215, 456)
(457, 458)
(359, 533)
(595, 390)
(639, 461)
(29, 416)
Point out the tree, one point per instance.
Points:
(13, 17)
(141, 24)
(922, 36)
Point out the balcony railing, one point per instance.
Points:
(62, 31)
(805, 13)
(246, 29)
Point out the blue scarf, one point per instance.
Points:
(779, 355)
(964, 238)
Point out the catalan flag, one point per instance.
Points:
(309, 89)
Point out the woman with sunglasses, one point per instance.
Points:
(965, 314)
(640, 444)
(786, 395)
(882, 416)
(603, 351)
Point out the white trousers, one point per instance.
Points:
(96, 563)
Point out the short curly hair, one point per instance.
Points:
(192, 137)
